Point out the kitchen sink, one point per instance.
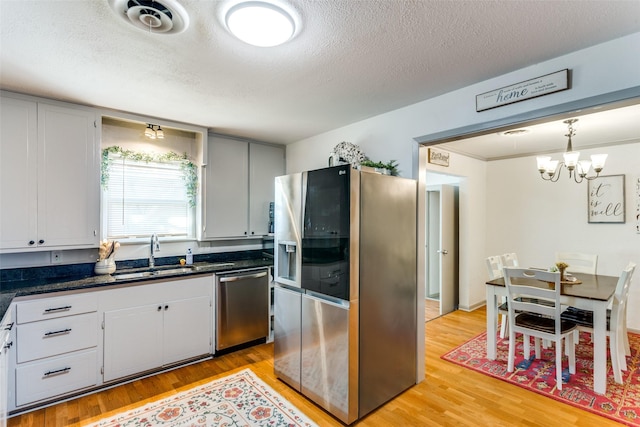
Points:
(154, 272)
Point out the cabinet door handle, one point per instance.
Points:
(57, 372)
(63, 331)
(9, 326)
(159, 307)
(66, 307)
(31, 242)
(8, 345)
(166, 307)
(41, 241)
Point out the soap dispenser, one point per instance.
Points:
(189, 257)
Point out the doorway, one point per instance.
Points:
(441, 245)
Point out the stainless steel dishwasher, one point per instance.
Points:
(242, 302)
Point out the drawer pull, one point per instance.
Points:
(9, 326)
(63, 331)
(8, 345)
(66, 307)
(57, 372)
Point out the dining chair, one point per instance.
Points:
(510, 260)
(578, 262)
(536, 311)
(494, 268)
(616, 322)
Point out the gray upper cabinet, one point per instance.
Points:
(239, 185)
(50, 176)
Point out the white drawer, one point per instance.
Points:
(54, 307)
(36, 340)
(52, 377)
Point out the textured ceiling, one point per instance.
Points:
(350, 60)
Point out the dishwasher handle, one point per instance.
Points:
(248, 276)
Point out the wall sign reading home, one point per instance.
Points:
(539, 86)
(606, 199)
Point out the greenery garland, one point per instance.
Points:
(188, 168)
(392, 165)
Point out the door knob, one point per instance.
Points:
(443, 251)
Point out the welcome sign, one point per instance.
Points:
(539, 86)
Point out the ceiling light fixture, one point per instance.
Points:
(553, 168)
(149, 132)
(260, 24)
(159, 133)
(152, 133)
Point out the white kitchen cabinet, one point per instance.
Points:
(132, 341)
(239, 186)
(159, 324)
(56, 347)
(49, 170)
(6, 345)
(265, 164)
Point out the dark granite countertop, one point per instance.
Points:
(43, 285)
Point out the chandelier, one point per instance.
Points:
(550, 170)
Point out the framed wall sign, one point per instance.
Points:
(532, 88)
(438, 157)
(606, 199)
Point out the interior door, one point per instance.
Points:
(448, 250)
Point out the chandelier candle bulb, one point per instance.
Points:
(598, 161)
(571, 159)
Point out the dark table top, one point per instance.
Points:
(596, 287)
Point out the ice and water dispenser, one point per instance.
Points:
(288, 218)
(287, 261)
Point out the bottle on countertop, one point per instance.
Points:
(189, 257)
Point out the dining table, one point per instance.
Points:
(592, 292)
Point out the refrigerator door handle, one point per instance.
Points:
(326, 299)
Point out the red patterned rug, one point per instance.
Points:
(240, 399)
(621, 402)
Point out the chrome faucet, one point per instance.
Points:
(155, 246)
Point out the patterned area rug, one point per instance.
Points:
(621, 402)
(239, 400)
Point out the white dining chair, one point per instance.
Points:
(494, 268)
(616, 322)
(536, 311)
(510, 260)
(578, 262)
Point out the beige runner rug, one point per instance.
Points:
(240, 399)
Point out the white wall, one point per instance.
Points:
(597, 70)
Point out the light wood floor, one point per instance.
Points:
(431, 309)
(449, 396)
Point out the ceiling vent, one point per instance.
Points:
(162, 17)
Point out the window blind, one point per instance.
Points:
(143, 198)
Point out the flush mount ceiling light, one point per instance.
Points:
(550, 169)
(260, 24)
(162, 17)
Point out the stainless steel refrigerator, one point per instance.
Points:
(345, 312)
